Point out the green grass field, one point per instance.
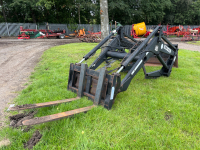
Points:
(162, 113)
(194, 42)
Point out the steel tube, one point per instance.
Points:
(82, 60)
(122, 67)
(162, 61)
(140, 47)
(119, 55)
(100, 44)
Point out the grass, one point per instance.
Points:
(194, 42)
(160, 113)
(174, 36)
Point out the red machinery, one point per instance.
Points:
(191, 35)
(176, 30)
(34, 33)
(197, 29)
(96, 33)
(188, 34)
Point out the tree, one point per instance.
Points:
(104, 19)
(153, 11)
(87, 11)
(179, 12)
(122, 11)
(24, 10)
(3, 10)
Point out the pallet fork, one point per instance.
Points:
(100, 85)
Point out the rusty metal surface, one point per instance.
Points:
(46, 104)
(77, 77)
(90, 87)
(55, 116)
(94, 86)
(155, 62)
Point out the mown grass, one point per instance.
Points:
(160, 113)
(194, 42)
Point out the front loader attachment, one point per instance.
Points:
(102, 85)
(98, 86)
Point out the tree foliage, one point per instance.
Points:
(88, 11)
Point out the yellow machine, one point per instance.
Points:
(81, 32)
(140, 29)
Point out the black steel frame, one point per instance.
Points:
(102, 87)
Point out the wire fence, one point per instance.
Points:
(13, 29)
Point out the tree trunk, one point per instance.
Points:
(4, 15)
(104, 19)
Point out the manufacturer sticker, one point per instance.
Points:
(114, 31)
(167, 49)
(174, 59)
(156, 48)
(136, 67)
(112, 93)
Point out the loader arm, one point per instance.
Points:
(144, 52)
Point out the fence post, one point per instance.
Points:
(7, 29)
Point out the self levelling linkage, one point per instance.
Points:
(102, 87)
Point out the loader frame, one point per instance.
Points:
(102, 86)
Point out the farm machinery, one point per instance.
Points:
(188, 34)
(83, 37)
(191, 34)
(95, 37)
(139, 29)
(102, 85)
(91, 37)
(198, 28)
(176, 30)
(34, 33)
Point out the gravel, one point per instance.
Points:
(17, 60)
